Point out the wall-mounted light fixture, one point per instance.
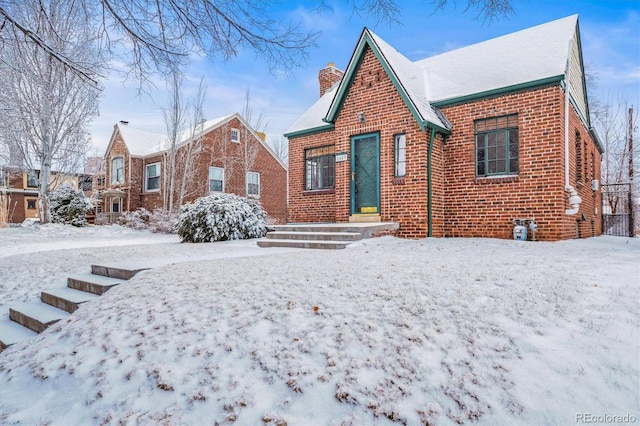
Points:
(361, 117)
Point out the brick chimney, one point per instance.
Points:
(329, 76)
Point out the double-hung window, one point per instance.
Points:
(497, 146)
(235, 135)
(253, 184)
(320, 168)
(153, 177)
(32, 179)
(117, 170)
(400, 149)
(216, 179)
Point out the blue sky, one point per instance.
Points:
(609, 29)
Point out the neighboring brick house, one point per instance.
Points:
(222, 155)
(19, 191)
(456, 145)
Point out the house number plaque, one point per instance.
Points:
(341, 156)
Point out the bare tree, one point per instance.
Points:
(487, 10)
(160, 35)
(174, 119)
(280, 146)
(249, 147)
(46, 107)
(192, 149)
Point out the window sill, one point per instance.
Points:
(398, 180)
(496, 179)
(319, 191)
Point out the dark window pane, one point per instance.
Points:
(480, 169)
(497, 145)
(513, 165)
(320, 171)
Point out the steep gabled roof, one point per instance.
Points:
(529, 58)
(144, 143)
(141, 142)
(312, 121)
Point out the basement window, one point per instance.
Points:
(497, 146)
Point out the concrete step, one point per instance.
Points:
(326, 236)
(11, 332)
(121, 271)
(36, 317)
(367, 230)
(317, 244)
(65, 298)
(96, 284)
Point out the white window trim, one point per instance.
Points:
(237, 131)
(223, 180)
(397, 141)
(114, 177)
(146, 177)
(247, 184)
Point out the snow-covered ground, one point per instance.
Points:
(436, 331)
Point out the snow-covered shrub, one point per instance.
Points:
(68, 206)
(158, 221)
(221, 217)
(136, 219)
(163, 221)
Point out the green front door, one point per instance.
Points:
(365, 174)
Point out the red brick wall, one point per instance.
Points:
(215, 149)
(374, 94)
(487, 206)
(462, 205)
(152, 200)
(329, 76)
(132, 178)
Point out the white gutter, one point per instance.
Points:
(574, 198)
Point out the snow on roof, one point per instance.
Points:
(522, 57)
(189, 133)
(412, 79)
(144, 142)
(313, 118)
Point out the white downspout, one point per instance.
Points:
(574, 198)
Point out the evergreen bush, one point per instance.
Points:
(221, 217)
(68, 206)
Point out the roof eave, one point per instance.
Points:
(311, 131)
(438, 128)
(549, 81)
(596, 139)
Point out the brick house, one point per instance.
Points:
(19, 199)
(222, 155)
(456, 145)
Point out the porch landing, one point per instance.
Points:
(324, 235)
